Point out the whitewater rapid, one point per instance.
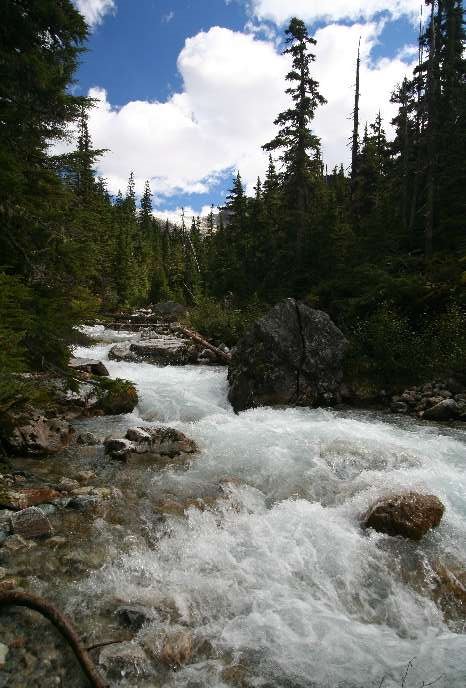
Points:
(278, 576)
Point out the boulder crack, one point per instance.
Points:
(303, 352)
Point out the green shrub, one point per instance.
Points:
(445, 343)
(222, 324)
(116, 396)
(386, 349)
(14, 323)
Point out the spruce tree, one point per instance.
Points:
(299, 146)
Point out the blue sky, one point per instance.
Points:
(188, 89)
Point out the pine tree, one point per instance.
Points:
(299, 145)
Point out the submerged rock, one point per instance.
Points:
(31, 523)
(177, 649)
(172, 649)
(411, 515)
(126, 657)
(291, 356)
(134, 616)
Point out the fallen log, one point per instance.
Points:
(203, 342)
(17, 598)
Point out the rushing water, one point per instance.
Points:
(278, 577)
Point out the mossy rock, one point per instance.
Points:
(116, 396)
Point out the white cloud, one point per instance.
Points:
(280, 11)
(95, 10)
(335, 70)
(233, 88)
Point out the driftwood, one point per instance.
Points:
(17, 598)
(203, 342)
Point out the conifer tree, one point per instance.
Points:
(299, 146)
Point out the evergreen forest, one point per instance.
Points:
(381, 246)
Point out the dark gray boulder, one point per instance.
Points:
(291, 356)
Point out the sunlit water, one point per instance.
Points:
(279, 576)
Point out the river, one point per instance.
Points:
(278, 577)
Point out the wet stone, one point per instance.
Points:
(87, 439)
(26, 497)
(67, 485)
(85, 476)
(31, 523)
(124, 657)
(411, 515)
(16, 542)
(84, 503)
(134, 616)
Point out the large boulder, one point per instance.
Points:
(291, 356)
(411, 515)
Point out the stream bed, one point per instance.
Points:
(265, 576)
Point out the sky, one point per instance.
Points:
(186, 91)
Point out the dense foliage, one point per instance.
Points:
(383, 249)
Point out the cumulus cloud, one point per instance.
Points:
(279, 11)
(233, 88)
(95, 10)
(335, 70)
